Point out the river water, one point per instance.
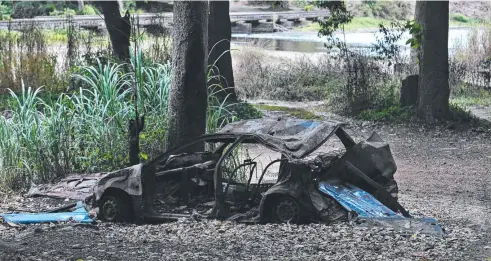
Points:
(310, 42)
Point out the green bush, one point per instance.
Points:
(87, 10)
(308, 8)
(5, 11)
(65, 12)
(460, 18)
(392, 114)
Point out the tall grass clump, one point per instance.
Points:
(470, 68)
(25, 57)
(84, 131)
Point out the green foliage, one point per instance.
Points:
(386, 47)
(49, 135)
(465, 99)
(87, 10)
(65, 12)
(338, 18)
(245, 111)
(391, 10)
(24, 58)
(308, 8)
(29, 9)
(416, 31)
(5, 11)
(81, 132)
(356, 23)
(391, 114)
(460, 18)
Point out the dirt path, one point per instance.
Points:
(441, 173)
(482, 112)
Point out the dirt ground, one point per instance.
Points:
(441, 173)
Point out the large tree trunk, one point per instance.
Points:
(118, 27)
(188, 95)
(433, 71)
(220, 60)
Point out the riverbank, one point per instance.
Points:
(371, 24)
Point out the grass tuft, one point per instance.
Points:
(294, 112)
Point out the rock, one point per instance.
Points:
(38, 230)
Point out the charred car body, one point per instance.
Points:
(358, 183)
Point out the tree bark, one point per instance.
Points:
(415, 53)
(118, 27)
(80, 4)
(281, 5)
(220, 59)
(433, 65)
(188, 94)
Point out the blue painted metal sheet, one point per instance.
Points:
(355, 199)
(80, 215)
(369, 208)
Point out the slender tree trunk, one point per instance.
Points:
(220, 60)
(188, 95)
(433, 71)
(80, 4)
(118, 27)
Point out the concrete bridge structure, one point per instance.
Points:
(242, 22)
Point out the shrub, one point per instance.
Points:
(460, 18)
(87, 10)
(260, 75)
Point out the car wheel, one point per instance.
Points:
(113, 209)
(286, 210)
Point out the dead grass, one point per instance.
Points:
(348, 86)
(297, 77)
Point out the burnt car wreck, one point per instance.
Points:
(310, 186)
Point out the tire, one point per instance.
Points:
(285, 209)
(113, 209)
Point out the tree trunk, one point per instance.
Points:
(80, 4)
(188, 95)
(433, 71)
(220, 60)
(281, 5)
(415, 53)
(118, 27)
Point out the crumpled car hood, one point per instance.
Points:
(294, 137)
